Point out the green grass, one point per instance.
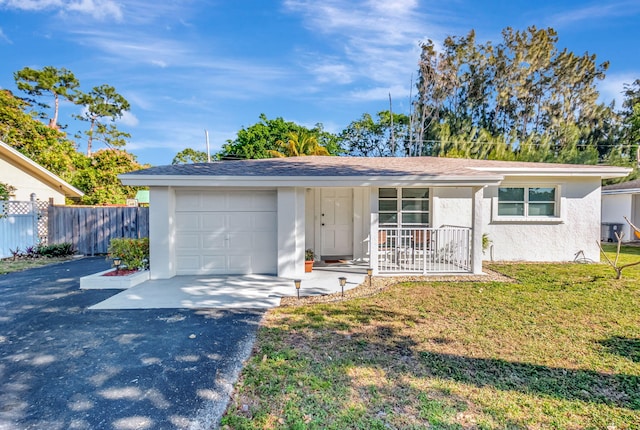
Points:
(8, 265)
(558, 349)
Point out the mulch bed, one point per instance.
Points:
(121, 272)
(379, 284)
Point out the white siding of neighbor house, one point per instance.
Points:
(614, 208)
(26, 184)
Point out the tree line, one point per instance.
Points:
(33, 127)
(522, 99)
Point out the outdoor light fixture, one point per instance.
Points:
(343, 282)
(297, 283)
(369, 274)
(117, 262)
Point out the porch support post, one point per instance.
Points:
(477, 195)
(373, 230)
(291, 230)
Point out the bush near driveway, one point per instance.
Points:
(134, 253)
(560, 348)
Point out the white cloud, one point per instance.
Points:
(612, 87)
(596, 11)
(333, 71)
(34, 5)
(176, 135)
(4, 37)
(380, 93)
(377, 41)
(128, 119)
(98, 9)
(134, 47)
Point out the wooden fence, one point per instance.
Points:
(90, 228)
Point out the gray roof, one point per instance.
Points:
(317, 166)
(629, 185)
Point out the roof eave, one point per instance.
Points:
(621, 191)
(603, 172)
(306, 181)
(33, 168)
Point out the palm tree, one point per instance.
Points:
(297, 145)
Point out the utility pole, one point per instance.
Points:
(206, 135)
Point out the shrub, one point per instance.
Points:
(134, 253)
(309, 255)
(6, 190)
(55, 250)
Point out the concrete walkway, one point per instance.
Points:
(231, 292)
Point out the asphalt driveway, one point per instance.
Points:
(63, 366)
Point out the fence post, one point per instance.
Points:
(34, 219)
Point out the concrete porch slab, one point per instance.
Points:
(230, 292)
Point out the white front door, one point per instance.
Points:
(336, 222)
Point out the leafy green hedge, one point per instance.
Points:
(56, 250)
(134, 253)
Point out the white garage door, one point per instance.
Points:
(226, 232)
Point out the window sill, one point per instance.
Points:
(527, 220)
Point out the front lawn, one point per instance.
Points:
(9, 265)
(560, 348)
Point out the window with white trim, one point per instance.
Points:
(528, 202)
(403, 206)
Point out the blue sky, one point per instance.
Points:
(190, 65)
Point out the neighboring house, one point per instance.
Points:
(398, 215)
(23, 220)
(618, 201)
(28, 177)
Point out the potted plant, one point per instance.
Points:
(309, 257)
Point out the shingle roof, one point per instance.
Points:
(629, 185)
(317, 166)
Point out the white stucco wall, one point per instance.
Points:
(451, 206)
(291, 231)
(578, 229)
(310, 220)
(361, 223)
(26, 184)
(162, 232)
(298, 213)
(614, 208)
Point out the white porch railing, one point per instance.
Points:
(424, 250)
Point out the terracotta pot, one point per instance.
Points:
(308, 266)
